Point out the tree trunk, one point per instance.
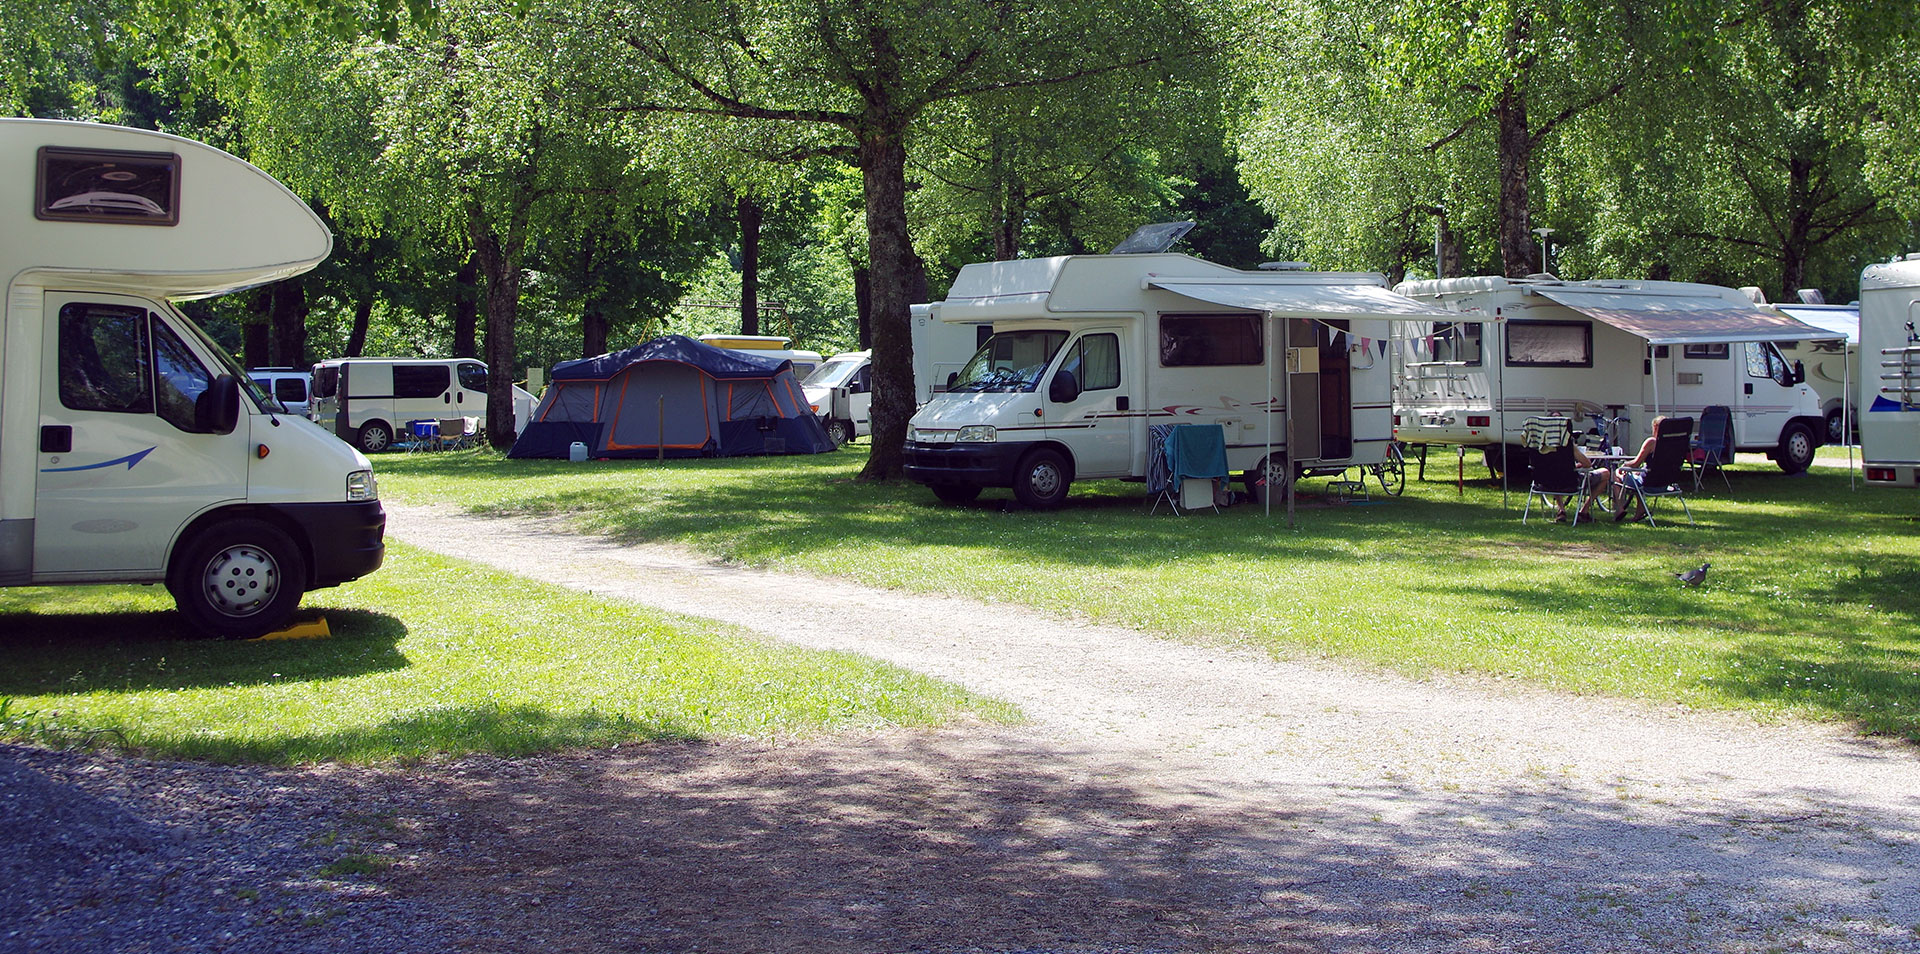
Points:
(287, 325)
(863, 306)
(1797, 244)
(1515, 146)
(362, 316)
(593, 333)
(255, 351)
(750, 216)
(883, 169)
(499, 268)
(466, 308)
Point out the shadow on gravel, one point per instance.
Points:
(950, 842)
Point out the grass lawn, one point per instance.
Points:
(1812, 606)
(428, 657)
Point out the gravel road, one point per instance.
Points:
(1164, 797)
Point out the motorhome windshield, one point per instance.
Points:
(1010, 361)
(833, 374)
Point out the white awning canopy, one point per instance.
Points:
(1681, 319)
(1303, 300)
(1839, 319)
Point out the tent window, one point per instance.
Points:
(1549, 344)
(1717, 351)
(1192, 341)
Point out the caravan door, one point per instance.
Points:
(1319, 390)
(123, 465)
(1087, 405)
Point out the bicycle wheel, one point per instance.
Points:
(1392, 472)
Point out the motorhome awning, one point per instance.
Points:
(1681, 319)
(1839, 319)
(1352, 302)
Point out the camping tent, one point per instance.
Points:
(673, 397)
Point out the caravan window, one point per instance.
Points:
(1011, 361)
(420, 380)
(1549, 344)
(1716, 351)
(1457, 342)
(108, 185)
(1192, 341)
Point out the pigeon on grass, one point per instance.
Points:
(1695, 576)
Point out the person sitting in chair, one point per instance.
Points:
(1632, 473)
(1599, 480)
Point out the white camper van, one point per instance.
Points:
(1833, 367)
(1889, 391)
(1623, 350)
(131, 450)
(769, 346)
(370, 402)
(1089, 350)
(841, 390)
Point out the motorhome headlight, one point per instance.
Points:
(361, 486)
(979, 434)
(929, 435)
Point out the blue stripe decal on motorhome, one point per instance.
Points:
(129, 460)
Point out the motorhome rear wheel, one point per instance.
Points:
(238, 579)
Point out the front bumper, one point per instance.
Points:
(347, 540)
(964, 465)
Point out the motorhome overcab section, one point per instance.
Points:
(131, 451)
(1088, 351)
(1620, 352)
(1889, 388)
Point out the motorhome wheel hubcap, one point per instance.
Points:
(241, 579)
(1045, 480)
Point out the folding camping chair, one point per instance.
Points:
(422, 435)
(1714, 445)
(1550, 461)
(1180, 453)
(1664, 475)
(454, 434)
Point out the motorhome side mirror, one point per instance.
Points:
(1065, 387)
(217, 409)
(953, 377)
(1799, 372)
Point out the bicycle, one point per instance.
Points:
(1390, 473)
(1603, 435)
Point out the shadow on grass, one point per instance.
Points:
(61, 653)
(912, 844)
(506, 731)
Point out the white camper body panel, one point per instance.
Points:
(1889, 390)
(842, 395)
(1543, 357)
(122, 450)
(1833, 366)
(1197, 343)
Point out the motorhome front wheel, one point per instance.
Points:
(238, 580)
(1042, 480)
(1796, 448)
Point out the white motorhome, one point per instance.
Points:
(1889, 391)
(131, 448)
(1624, 350)
(1088, 351)
(841, 390)
(371, 402)
(1833, 366)
(769, 346)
